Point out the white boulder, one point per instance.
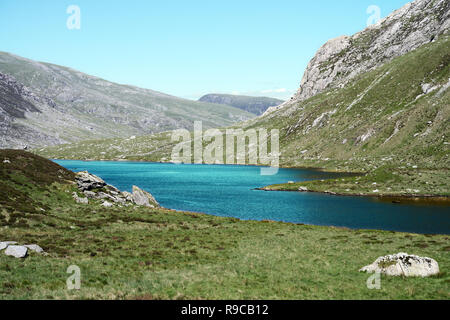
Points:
(5, 244)
(16, 251)
(34, 247)
(403, 264)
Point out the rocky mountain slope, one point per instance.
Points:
(255, 105)
(342, 59)
(45, 104)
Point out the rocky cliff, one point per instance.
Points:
(341, 59)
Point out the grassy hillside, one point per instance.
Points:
(142, 253)
(255, 105)
(75, 106)
(391, 122)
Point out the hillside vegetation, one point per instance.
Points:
(143, 253)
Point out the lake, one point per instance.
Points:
(229, 191)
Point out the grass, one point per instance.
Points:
(142, 253)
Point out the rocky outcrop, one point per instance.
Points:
(87, 181)
(343, 58)
(143, 198)
(403, 264)
(95, 188)
(79, 199)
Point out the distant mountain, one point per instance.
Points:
(255, 105)
(44, 104)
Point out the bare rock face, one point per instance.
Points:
(143, 198)
(342, 59)
(87, 181)
(403, 264)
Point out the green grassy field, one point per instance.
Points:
(141, 253)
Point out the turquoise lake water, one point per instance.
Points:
(229, 191)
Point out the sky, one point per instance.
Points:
(185, 48)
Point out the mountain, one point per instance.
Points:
(341, 59)
(45, 104)
(255, 105)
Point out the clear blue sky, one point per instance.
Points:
(185, 48)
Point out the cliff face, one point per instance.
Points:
(342, 59)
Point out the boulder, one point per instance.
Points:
(5, 244)
(16, 251)
(107, 204)
(89, 194)
(87, 181)
(143, 198)
(403, 264)
(128, 196)
(34, 247)
(80, 200)
(303, 189)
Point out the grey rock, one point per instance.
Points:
(79, 199)
(34, 247)
(403, 264)
(303, 189)
(87, 181)
(143, 198)
(128, 196)
(90, 194)
(5, 244)
(16, 251)
(107, 204)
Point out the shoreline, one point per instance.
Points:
(393, 197)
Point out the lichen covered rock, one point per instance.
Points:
(403, 264)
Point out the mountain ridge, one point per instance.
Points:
(74, 106)
(343, 58)
(255, 105)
